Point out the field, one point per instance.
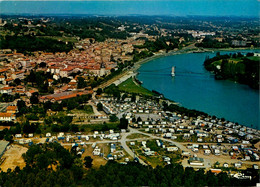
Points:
(255, 58)
(100, 127)
(136, 135)
(86, 109)
(130, 86)
(97, 160)
(13, 157)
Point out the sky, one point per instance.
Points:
(248, 8)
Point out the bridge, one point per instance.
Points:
(178, 71)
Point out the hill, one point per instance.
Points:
(240, 68)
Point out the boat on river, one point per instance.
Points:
(173, 71)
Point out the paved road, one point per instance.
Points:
(126, 148)
(96, 112)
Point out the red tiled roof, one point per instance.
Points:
(6, 115)
(3, 70)
(68, 96)
(11, 108)
(20, 87)
(9, 79)
(7, 88)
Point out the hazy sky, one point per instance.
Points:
(147, 7)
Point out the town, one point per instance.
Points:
(88, 99)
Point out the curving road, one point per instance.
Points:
(131, 153)
(126, 148)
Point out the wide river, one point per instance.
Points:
(195, 88)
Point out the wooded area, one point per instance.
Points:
(51, 164)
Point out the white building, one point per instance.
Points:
(7, 117)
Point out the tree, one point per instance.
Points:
(133, 98)
(43, 161)
(249, 54)
(34, 98)
(81, 83)
(99, 107)
(42, 65)
(21, 107)
(17, 81)
(123, 123)
(113, 118)
(124, 97)
(72, 104)
(112, 70)
(139, 119)
(88, 162)
(239, 54)
(99, 91)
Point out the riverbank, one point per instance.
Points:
(188, 49)
(160, 79)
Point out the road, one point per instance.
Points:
(96, 112)
(132, 131)
(126, 148)
(3, 106)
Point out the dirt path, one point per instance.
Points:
(96, 112)
(13, 157)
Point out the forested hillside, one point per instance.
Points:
(236, 67)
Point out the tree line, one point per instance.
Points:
(24, 44)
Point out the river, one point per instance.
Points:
(194, 87)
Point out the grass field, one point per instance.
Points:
(136, 135)
(87, 109)
(255, 58)
(130, 86)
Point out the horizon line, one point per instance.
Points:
(92, 14)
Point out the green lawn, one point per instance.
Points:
(154, 161)
(87, 109)
(255, 58)
(100, 127)
(136, 135)
(130, 87)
